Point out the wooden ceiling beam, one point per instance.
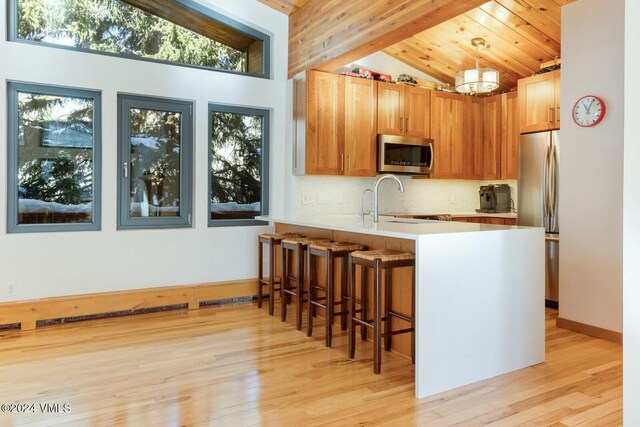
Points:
(194, 21)
(327, 34)
(285, 6)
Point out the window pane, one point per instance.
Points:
(55, 159)
(154, 188)
(236, 157)
(113, 26)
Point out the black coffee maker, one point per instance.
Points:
(495, 198)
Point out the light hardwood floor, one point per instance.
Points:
(237, 366)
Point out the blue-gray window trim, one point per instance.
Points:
(12, 157)
(125, 103)
(12, 36)
(264, 164)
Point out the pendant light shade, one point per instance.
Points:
(477, 80)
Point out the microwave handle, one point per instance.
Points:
(431, 150)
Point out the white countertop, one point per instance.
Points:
(387, 226)
(509, 215)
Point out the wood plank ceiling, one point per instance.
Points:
(520, 34)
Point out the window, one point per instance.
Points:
(155, 140)
(181, 32)
(53, 159)
(238, 165)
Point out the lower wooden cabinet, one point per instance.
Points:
(486, 220)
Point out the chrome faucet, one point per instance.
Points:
(375, 192)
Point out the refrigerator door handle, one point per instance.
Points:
(553, 204)
(545, 188)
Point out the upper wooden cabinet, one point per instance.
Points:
(334, 125)
(325, 124)
(491, 137)
(360, 126)
(448, 133)
(473, 123)
(403, 110)
(539, 102)
(509, 136)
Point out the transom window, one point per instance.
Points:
(180, 31)
(238, 165)
(54, 158)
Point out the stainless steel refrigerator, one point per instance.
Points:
(538, 177)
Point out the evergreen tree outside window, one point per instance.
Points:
(181, 32)
(238, 165)
(54, 159)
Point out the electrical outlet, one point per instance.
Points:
(307, 198)
(11, 290)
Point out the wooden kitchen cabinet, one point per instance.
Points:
(539, 102)
(360, 126)
(403, 110)
(473, 139)
(448, 133)
(325, 124)
(334, 125)
(491, 137)
(486, 220)
(509, 136)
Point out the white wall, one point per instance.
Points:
(49, 264)
(387, 64)
(631, 214)
(591, 165)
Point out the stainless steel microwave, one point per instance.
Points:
(404, 154)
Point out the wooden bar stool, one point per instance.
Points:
(294, 246)
(330, 251)
(382, 260)
(272, 240)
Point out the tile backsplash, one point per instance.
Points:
(341, 195)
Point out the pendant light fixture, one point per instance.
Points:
(477, 80)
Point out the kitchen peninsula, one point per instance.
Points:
(479, 292)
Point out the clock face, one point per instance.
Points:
(588, 111)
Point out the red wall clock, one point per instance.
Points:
(589, 111)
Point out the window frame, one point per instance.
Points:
(186, 108)
(13, 151)
(12, 36)
(264, 163)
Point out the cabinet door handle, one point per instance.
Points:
(406, 124)
(550, 115)
(401, 125)
(342, 162)
(349, 162)
(558, 116)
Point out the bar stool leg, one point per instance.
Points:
(344, 298)
(312, 293)
(387, 306)
(300, 281)
(284, 282)
(377, 318)
(351, 325)
(364, 294)
(272, 276)
(329, 300)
